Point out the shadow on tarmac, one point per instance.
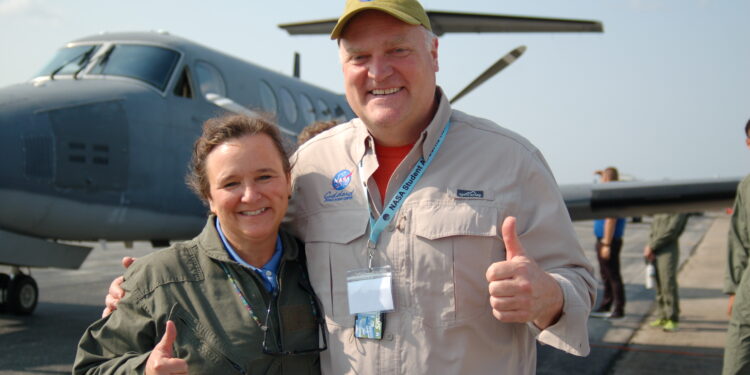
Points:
(44, 343)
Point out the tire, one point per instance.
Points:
(23, 295)
(4, 285)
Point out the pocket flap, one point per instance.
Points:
(433, 221)
(193, 335)
(340, 226)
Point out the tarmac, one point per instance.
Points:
(697, 346)
(70, 300)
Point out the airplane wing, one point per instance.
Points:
(620, 199)
(455, 22)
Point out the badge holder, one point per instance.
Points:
(370, 295)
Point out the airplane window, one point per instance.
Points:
(340, 113)
(288, 105)
(324, 113)
(267, 97)
(209, 79)
(69, 60)
(308, 111)
(150, 64)
(183, 87)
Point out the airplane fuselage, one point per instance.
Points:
(102, 153)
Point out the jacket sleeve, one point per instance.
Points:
(668, 231)
(119, 343)
(547, 234)
(737, 244)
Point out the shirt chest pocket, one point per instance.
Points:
(449, 248)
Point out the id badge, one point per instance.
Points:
(370, 290)
(369, 325)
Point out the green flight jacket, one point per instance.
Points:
(215, 333)
(665, 231)
(738, 245)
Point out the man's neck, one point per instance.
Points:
(388, 160)
(397, 137)
(404, 134)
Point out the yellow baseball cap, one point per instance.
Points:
(409, 11)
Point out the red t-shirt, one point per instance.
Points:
(388, 160)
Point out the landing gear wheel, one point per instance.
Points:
(22, 295)
(4, 284)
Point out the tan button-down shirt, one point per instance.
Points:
(439, 245)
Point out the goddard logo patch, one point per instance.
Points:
(342, 179)
(470, 194)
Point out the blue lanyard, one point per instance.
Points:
(390, 209)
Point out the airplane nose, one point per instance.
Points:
(48, 141)
(26, 159)
(57, 149)
(21, 152)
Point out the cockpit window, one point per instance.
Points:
(150, 64)
(184, 88)
(209, 79)
(69, 60)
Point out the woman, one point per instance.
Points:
(234, 299)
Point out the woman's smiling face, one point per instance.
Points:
(249, 189)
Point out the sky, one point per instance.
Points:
(663, 93)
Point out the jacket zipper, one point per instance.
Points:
(275, 301)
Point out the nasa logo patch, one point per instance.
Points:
(342, 179)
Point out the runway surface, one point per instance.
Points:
(610, 339)
(70, 300)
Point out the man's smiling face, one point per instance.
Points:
(389, 74)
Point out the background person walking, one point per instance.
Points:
(664, 251)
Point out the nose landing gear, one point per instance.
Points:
(18, 292)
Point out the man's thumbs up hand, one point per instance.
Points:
(520, 291)
(513, 246)
(161, 360)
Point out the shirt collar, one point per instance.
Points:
(268, 271)
(434, 129)
(427, 139)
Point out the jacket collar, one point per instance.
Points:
(209, 243)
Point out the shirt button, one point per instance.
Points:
(269, 274)
(391, 227)
(389, 336)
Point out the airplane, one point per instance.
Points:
(96, 146)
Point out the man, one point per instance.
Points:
(441, 243)
(736, 284)
(409, 214)
(609, 233)
(663, 250)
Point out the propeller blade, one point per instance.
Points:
(491, 71)
(296, 65)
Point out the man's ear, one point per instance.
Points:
(435, 54)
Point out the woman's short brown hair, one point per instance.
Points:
(219, 130)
